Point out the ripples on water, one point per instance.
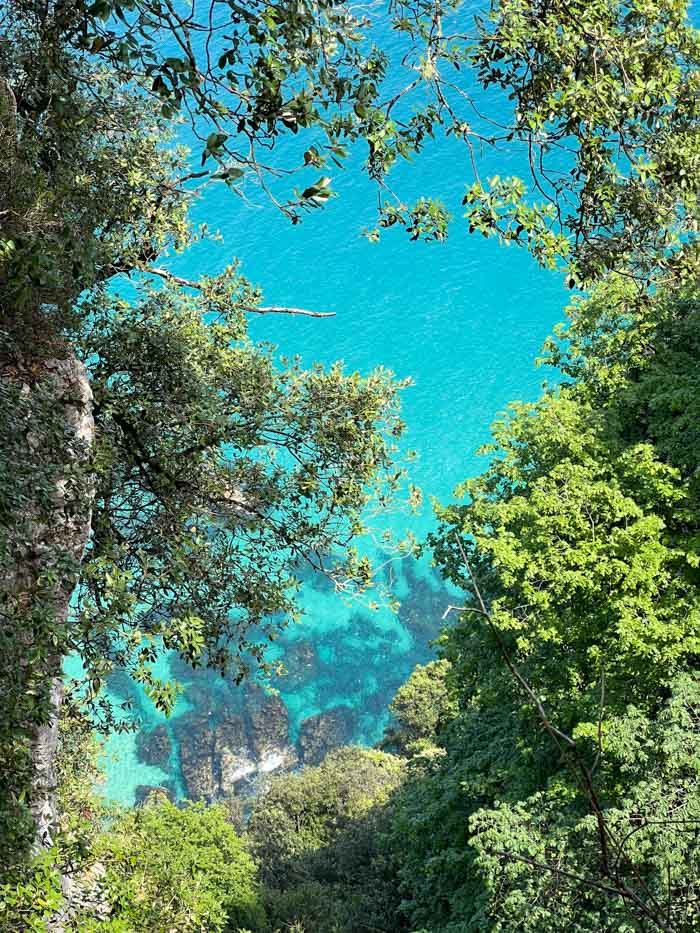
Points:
(465, 320)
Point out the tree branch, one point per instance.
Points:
(250, 309)
(283, 309)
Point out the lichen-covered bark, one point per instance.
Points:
(68, 530)
(46, 514)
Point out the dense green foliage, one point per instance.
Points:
(214, 475)
(571, 776)
(168, 867)
(547, 775)
(317, 837)
(219, 478)
(606, 97)
(27, 902)
(421, 709)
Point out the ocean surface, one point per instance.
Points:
(465, 320)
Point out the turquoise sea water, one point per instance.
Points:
(465, 319)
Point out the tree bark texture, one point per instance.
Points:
(47, 517)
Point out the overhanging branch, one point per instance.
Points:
(250, 309)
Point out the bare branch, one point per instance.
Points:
(174, 279)
(283, 309)
(458, 609)
(251, 309)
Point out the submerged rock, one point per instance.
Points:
(265, 745)
(301, 663)
(195, 738)
(234, 767)
(325, 731)
(421, 611)
(233, 759)
(225, 755)
(154, 747)
(267, 721)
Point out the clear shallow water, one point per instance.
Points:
(465, 319)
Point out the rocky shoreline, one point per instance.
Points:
(233, 738)
(233, 748)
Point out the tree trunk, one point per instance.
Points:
(69, 532)
(47, 512)
(46, 492)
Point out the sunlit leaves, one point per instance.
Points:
(605, 97)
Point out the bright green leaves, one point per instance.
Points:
(421, 709)
(29, 902)
(501, 210)
(544, 850)
(641, 350)
(582, 536)
(575, 535)
(606, 99)
(180, 868)
(426, 219)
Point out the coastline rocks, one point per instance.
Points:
(233, 760)
(267, 721)
(196, 741)
(225, 755)
(144, 791)
(234, 767)
(154, 747)
(321, 733)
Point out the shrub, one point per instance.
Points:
(183, 870)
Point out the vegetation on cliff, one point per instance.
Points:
(544, 772)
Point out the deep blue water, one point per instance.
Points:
(465, 319)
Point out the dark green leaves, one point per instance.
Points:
(219, 478)
(319, 189)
